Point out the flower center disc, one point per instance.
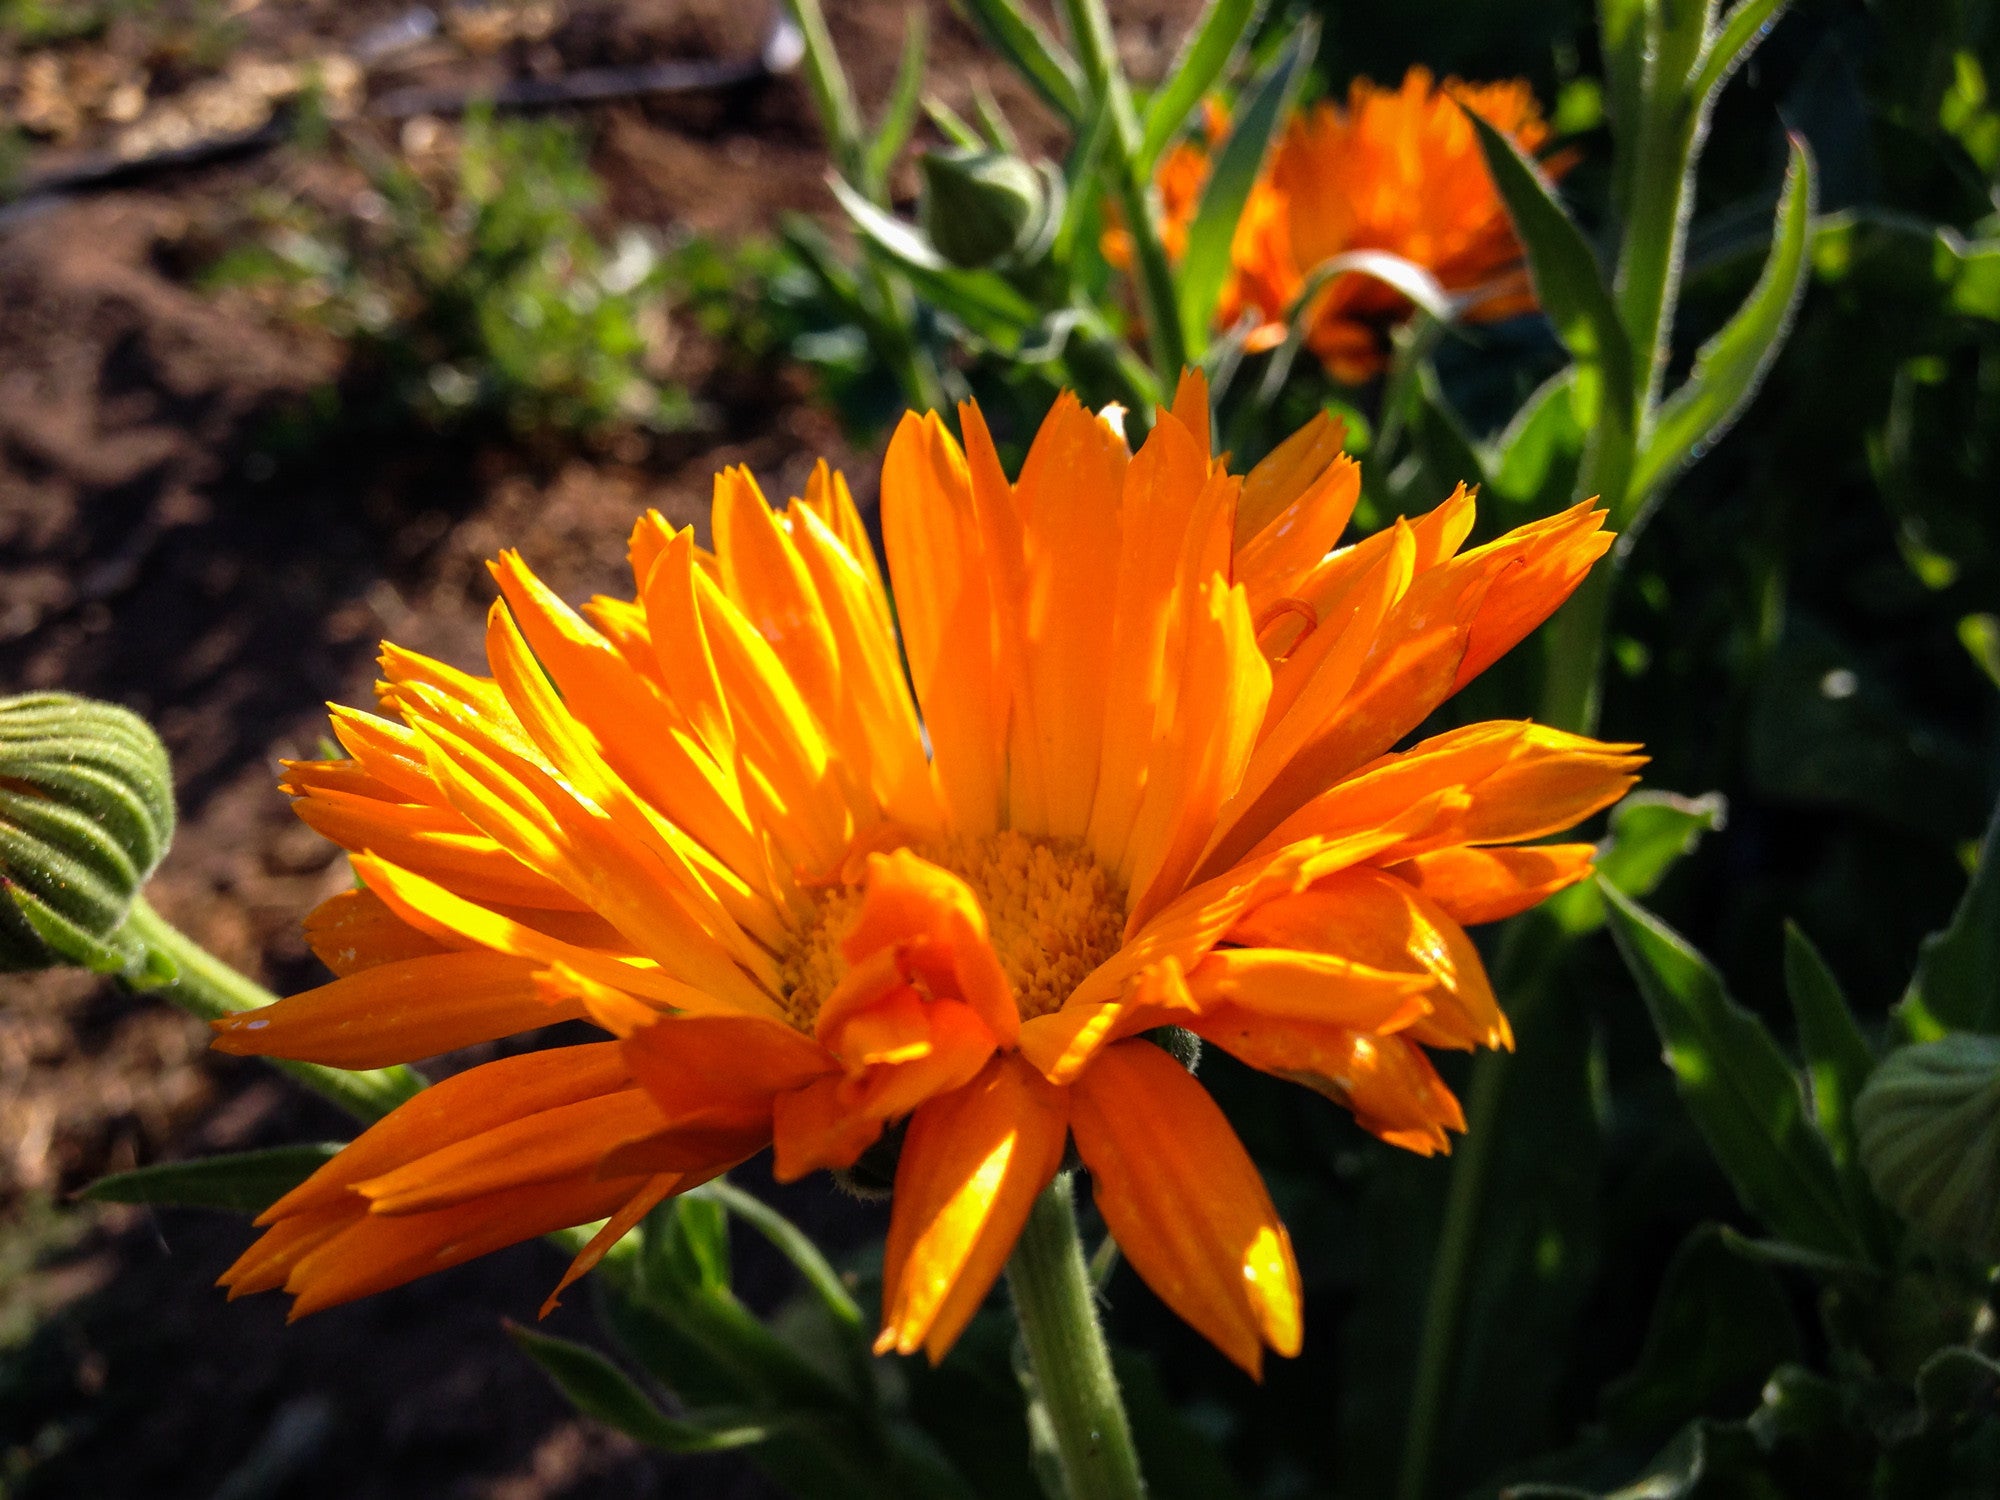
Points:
(1053, 913)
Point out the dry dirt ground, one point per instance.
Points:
(149, 555)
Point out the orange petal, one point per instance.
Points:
(455, 1109)
(1184, 1202)
(567, 1141)
(1386, 1080)
(1062, 1044)
(397, 1012)
(933, 923)
(378, 1251)
(1326, 987)
(690, 1062)
(814, 1129)
(972, 1164)
(1375, 919)
(353, 930)
(655, 1192)
(1487, 885)
(937, 557)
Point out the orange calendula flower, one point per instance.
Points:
(1398, 170)
(1139, 773)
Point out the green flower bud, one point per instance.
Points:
(986, 208)
(86, 812)
(1929, 1128)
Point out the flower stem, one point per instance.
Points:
(1066, 1351)
(205, 986)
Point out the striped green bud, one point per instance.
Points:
(1929, 1128)
(86, 812)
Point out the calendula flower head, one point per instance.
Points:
(1139, 773)
(1398, 170)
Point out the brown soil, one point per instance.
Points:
(151, 555)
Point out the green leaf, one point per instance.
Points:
(685, 1247)
(1701, 1452)
(599, 1389)
(1736, 1083)
(1838, 1062)
(1980, 635)
(1204, 264)
(1210, 45)
(1082, 188)
(1957, 982)
(1718, 1326)
(1783, 1255)
(1731, 45)
(1568, 284)
(1532, 464)
(246, 1182)
(1045, 66)
(1731, 366)
(1650, 831)
(792, 1243)
(899, 115)
(1957, 1382)
(833, 95)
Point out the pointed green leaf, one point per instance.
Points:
(900, 113)
(599, 1389)
(791, 1242)
(1533, 462)
(1650, 831)
(1211, 44)
(1784, 1255)
(1568, 284)
(245, 1182)
(1838, 1057)
(1044, 65)
(1957, 982)
(1731, 45)
(1733, 364)
(1736, 1083)
(833, 95)
(1204, 264)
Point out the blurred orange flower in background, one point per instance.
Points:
(1397, 170)
(1139, 774)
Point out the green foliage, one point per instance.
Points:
(246, 1182)
(482, 292)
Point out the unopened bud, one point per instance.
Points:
(1928, 1122)
(86, 812)
(985, 208)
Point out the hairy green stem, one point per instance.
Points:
(1444, 1299)
(205, 986)
(1054, 1306)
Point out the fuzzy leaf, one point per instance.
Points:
(245, 1182)
(599, 1389)
(1731, 366)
